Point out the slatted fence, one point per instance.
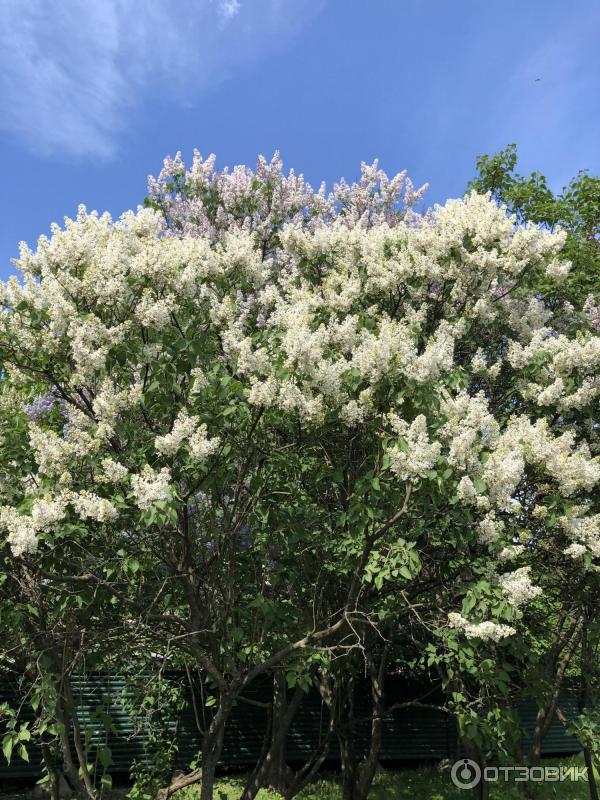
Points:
(409, 735)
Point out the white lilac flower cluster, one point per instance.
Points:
(110, 402)
(591, 309)
(23, 529)
(419, 453)
(517, 587)
(568, 376)
(150, 486)
(89, 506)
(183, 428)
(585, 533)
(490, 528)
(510, 552)
(187, 430)
(470, 429)
(487, 630)
(46, 513)
(112, 471)
(54, 453)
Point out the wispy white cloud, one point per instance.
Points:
(71, 71)
(229, 8)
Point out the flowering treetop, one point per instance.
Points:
(246, 329)
(204, 201)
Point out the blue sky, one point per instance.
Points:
(95, 93)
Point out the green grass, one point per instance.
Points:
(423, 783)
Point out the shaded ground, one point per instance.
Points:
(421, 783)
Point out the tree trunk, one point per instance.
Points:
(212, 747)
(210, 759)
(481, 790)
(69, 768)
(586, 699)
(79, 748)
(53, 778)
(589, 763)
(368, 768)
(535, 749)
(271, 770)
(349, 768)
(357, 777)
(556, 672)
(314, 763)
(345, 735)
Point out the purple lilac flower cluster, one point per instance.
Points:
(43, 404)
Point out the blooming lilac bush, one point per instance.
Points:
(304, 406)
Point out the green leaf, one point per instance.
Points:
(7, 747)
(105, 756)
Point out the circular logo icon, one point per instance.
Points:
(465, 773)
